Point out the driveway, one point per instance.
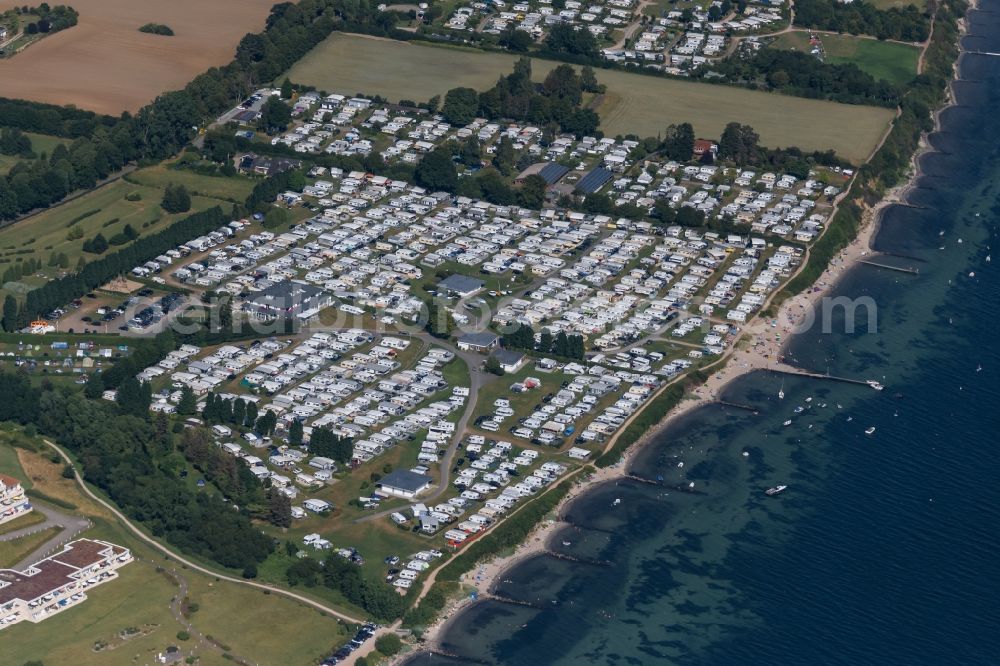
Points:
(69, 525)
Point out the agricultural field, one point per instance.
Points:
(105, 64)
(634, 103)
(140, 602)
(105, 210)
(896, 63)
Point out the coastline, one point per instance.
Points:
(759, 346)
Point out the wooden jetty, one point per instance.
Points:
(901, 269)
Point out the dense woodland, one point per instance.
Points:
(134, 460)
(908, 24)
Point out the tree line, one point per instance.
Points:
(907, 24)
(62, 290)
(516, 97)
(560, 344)
(802, 75)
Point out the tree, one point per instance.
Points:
(739, 143)
(664, 212)
(564, 83)
(678, 142)
(9, 314)
(516, 40)
(176, 199)
(690, 217)
(567, 38)
(436, 171)
(588, 81)
(188, 403)
(295, 433)
(460, 106)
(532, 192)
(265, 424)
(545, 341)
(279, 508)
(276, 217)
(251, 418)
(439, 321)
(493, 366)
(95, 386)
(581, 122)
(286, 89)
(274, 116)
(388, 644)
(503, 158)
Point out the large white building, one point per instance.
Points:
(13, 501)
(59, 581)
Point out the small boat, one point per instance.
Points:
(788, 422)
(776, 490)
(616, 502)
(781, 391)
(809, 399)
(869, 431)
(566, 543)
(850, 418)
(799, 409)
(874, 384)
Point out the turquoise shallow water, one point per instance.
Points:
(883, 550)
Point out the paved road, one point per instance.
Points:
(476, 380)
(188, 563)
(69, 526)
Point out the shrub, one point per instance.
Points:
(157, 29)
(389, 644)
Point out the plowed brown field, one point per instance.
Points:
(105, 64)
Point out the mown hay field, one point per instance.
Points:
(105, 64)
(892, 61)
(634, 104)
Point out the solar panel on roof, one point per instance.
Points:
(594, 180)
(553, 172)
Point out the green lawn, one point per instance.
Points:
(235, 188)
(45, 143)
(12, 552)
(637, 104)
(40, 143)
(22, 521)
(896, 63)
(46, 233)
(244, 620)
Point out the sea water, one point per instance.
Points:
(884, 548)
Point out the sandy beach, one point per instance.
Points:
(759, 345)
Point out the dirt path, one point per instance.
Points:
(272, 589)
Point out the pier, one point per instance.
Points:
(736, 405)
(901, 269)
(577, 560)
(791, 370)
